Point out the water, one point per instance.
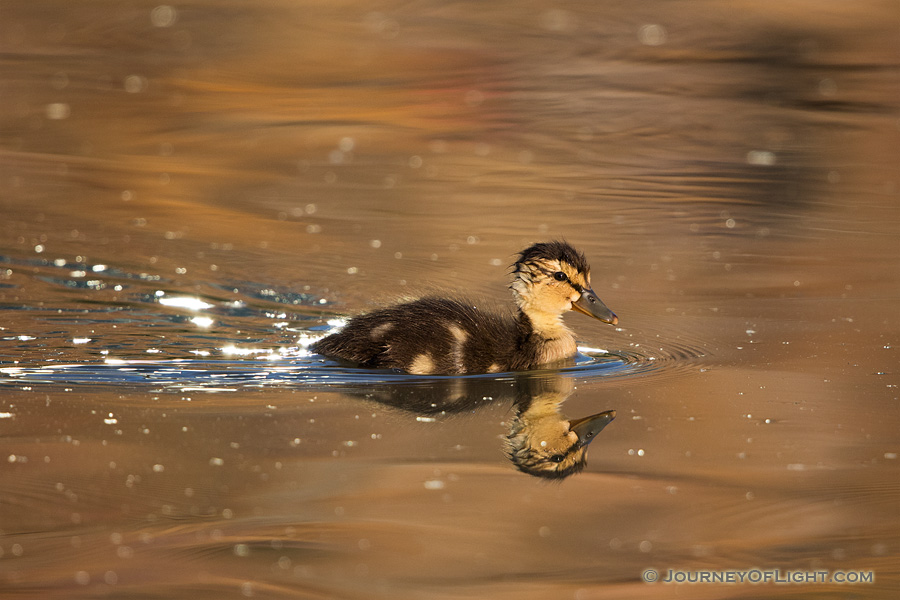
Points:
(191, 193)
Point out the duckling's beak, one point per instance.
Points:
(592, 306)
(588, 427)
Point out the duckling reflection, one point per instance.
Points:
(541, 441)
(446, 336)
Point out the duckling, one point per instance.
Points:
(443, 336)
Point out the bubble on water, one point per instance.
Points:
(216, 462)
(57, 111)
(558, 20)
(652, 34)
(346, 144)
(474, 98)
(761, 157)
(163, 16)
(382, 25)
(434, 484)
(827, 87)
(134, 84)
(241, 550)
(82, 577)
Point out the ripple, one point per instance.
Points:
(296, 367)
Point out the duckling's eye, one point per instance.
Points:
(557, 458)
(560, 276)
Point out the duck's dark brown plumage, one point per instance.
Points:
(448, 336)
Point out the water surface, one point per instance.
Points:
(191, 193)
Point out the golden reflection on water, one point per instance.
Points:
(729, 170)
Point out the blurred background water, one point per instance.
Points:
(191, 192)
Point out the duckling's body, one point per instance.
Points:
(440, 335)
(447, 336)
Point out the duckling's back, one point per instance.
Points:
(427, 336)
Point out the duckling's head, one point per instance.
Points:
(551, 278)
(546, 445)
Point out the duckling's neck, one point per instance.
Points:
(546, 332)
